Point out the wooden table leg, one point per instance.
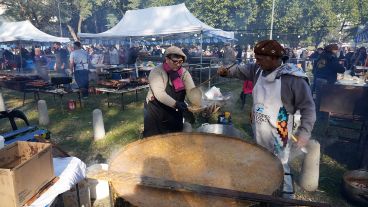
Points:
(78, 197)
(108, 99)
(36, 96)
(80, 99)
(24, 97)
(122, 101)
(61, 102)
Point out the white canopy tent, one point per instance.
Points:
(156, 21)
(25, 31)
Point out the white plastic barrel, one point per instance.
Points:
(2, 141)
(310, 171)
(99, 189)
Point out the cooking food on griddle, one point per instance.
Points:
(37, 83)
(112, 83)
(143, 80)
(359, 183)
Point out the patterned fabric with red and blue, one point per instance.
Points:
(282, 122)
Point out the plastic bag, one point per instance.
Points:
(213, 93)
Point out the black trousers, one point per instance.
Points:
(161, 119)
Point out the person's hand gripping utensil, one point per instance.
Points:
(224, 71)
(296, 140)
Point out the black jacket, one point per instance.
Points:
(327, 67)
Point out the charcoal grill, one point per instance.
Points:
(61, 80)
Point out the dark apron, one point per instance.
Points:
(162, 119)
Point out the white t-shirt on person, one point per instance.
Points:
(80, 59)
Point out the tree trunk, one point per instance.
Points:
(320, 38)
(343, 25)
(72, 32)
(96, 26)
(361, 12)
(80, 24)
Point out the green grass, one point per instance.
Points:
(73, 132)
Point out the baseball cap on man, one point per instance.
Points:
(173, 50)
(269, 48)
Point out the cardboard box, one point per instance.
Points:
(25, 167)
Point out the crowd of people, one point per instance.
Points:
(20, 57)
(347, 56)
(57, 56)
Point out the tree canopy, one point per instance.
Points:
(296, 22)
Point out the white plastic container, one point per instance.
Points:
(99, 189)
(2, 141)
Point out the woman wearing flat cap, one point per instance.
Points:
(279, 91)
(164, 106)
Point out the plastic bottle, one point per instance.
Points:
(227, 117)
(221, 119)
(2, 141)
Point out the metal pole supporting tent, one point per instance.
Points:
(272, 14)
(201, 46)
(21, 58)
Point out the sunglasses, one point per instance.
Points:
(180, 61)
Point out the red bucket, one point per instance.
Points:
(72, 104)
(92, 90)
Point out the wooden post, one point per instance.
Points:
(43, 115)
(2, 103)
(310, 171)
(98, 125)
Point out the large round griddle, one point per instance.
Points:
(199, 158)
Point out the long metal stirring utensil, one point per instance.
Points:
(214, 76)
(195, 94)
